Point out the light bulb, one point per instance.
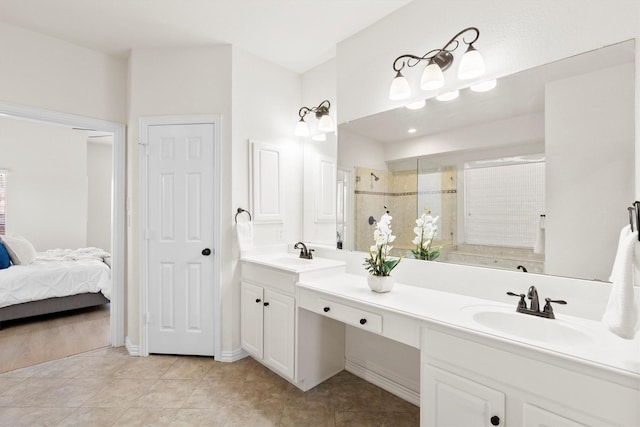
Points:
(484, 86)
(416, 105)
(448, 96)
(326, 123)
(399, 88)
(432, 77)
(471, 64)
(301, 128)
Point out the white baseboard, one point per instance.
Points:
(369, 374)
(132, 349)
(232, 356)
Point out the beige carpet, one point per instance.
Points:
(40, 339)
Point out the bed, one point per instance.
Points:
(56, 280)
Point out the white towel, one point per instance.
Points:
(538, 248)
(244, 232)
(621, 315)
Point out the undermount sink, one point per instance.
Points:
(550, 331)
(289, 260)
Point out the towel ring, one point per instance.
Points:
(239, 211)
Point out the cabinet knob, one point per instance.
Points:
(326, 309)
(206, 252)
(258, 300)
(363, 321)
(495, 420)
(266, 304)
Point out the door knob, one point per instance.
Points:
(206, 252)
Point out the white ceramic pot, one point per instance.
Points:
(380, 283)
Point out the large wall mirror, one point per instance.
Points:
(535, 174)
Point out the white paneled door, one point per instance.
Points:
(180, 239)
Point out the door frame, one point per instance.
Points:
(118, 231)
(145, 123)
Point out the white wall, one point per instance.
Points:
(99, 173)
(46, 183)
(265, 102)
(355, 150)
(514, 36)
(176, 81)
(48, 73)
(583, 209)
(318, 84)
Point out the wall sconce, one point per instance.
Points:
(439, 60)
(322, 114)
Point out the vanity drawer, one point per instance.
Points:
(350, 315)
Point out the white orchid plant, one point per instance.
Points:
(378, 263)
(425, 230)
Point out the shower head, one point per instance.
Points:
(377, 178)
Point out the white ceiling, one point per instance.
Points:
(297, 34)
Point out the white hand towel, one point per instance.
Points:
(538, 248)
(244, 232)
(621, 315)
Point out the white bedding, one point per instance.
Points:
(56, 273)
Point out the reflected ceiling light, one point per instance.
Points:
(412, 130)
(439, 60)
(320, 137)
(448, 96)
(322, 114)
(416, 105)
(484, 86)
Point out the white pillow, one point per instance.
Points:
(21, 251)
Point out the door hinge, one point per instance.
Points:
(147, 234)
(147, 318)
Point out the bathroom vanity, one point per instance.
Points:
(481, 363)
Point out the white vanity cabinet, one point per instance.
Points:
(470, 380)
(303, 349)
(268, 327)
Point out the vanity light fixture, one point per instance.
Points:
(438, 61)
(322, 114)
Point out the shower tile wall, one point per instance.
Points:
(398, 190)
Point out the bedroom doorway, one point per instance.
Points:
(179, 182)
(116, 207)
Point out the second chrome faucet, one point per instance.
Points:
(534, 307)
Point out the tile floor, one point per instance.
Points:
(107, 387)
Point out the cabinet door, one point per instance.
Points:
(451, 400)
(251, 319)
(532, 416)
(279, 318)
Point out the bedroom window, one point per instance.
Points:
(3, 201)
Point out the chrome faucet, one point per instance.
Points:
(534, 308)
(304, 252)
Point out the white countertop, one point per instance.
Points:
(600, 348)
(292, 262)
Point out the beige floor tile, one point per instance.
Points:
(189, 368)
(167, 394)
(119, 393)
(94, 417)
(146, 417)
(377, 419)
(200, 417)
(34, 417)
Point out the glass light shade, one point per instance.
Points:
(320, 137)
(326, 123)
(416, 105)
(432, 77)
(301, 128)
(471, 64)
(484, 86)
(448, 96)
(399, 88)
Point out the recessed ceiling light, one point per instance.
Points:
(416, 105)
(412, 130)
(320, 137)
(484, 86)
(448, 96)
